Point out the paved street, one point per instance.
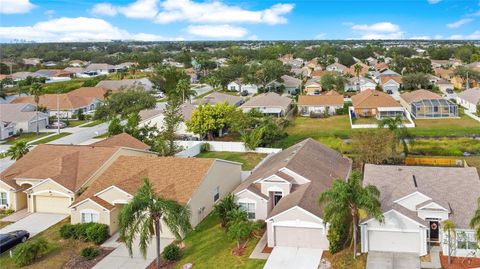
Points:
(81, 134)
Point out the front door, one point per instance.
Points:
(434, 227)
(276, 197)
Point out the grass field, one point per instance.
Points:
(75, 123)
(247, 159)
(25, 136)
(51, 138)
(209, 247)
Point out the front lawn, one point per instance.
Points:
(59, 253)
(248, 159)
(51, 138)
(75, 123)
(209, 247)
(24, 136)
(93, 123)
(344, 259)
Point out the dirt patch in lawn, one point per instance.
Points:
(81, 263)
(164, 264)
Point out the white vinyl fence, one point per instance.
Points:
(471, 115)
(193, 148)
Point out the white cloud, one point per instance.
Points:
(15, 6)
(218, 12)
(73, 29)
(380, 30)
(459, 23)
(473, 36)
(217, 31)
(434, 1)
(104, 9)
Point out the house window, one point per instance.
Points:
(466, 241)
(89, 217)
(249, 208)
(216, 193)
(3, 198)
(276, 197)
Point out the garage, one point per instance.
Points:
(300, 237)
(42, 123)
(394, 241)
(51, 204)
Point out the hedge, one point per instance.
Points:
(89, 232)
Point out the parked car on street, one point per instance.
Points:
(11, 239)
(449, 91)
(54, 125)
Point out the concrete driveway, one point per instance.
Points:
(34, 223)
(120, 259)
(392, 260)
(292, 257)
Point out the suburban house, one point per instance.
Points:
(49, 178)
(390, 84)
(195, 182)
(269, 103)
(290, 84)
(371, 103)
(337, 67)
(220, 98)
(424, 104)
(296, 63)
(7, 129)
(115, 85)
(77, 63)
(470, 99)
(53, 75)
(359, 84)
(24, 117)
(415, 201)
(238, 86)
(155, 117)
(318, 105)
(284, 192)
(86, 99)
(98, 69)
(312, 86)
(363, 70)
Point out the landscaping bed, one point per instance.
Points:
(248, 159)
(460, 262)
(80, 262)
(344, 259)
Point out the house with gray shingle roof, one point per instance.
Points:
(469, 99)
(269, 103)
(284, 192)
(116, 85)
(415, 201)
(24, 117)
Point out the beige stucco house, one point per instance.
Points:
(196, 182)
(49, 177)
(284, 192)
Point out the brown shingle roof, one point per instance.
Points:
(373, 99)
(173, 178)
(328, 99)
(385, 79)
(122, 140)
(419, 95)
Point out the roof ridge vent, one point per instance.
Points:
(415, 181)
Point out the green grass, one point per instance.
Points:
(24, 136)
(93, 123)
(59, 253)
(75, 123)
(51, 138)
(203, 95)
(209, 247)
(64, 86)
(445, 146)
(105, 135)
(248, 159)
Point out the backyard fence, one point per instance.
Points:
(434, 161)
(193, 148)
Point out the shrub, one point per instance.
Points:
(89, 253)
(67, 231)
(205, 147)
(97, 233)
(336, 239)
(172, 252)
(81, 231)
(26, 253)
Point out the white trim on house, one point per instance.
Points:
(88, 199)
(299, 224)
(290, 172)
(296, 207)
(46, 180)
(112, 187)
(410, 195)
(50, 191)
(244, 190)
(435, 205)
(390, 211)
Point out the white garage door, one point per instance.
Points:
(300, 237)
(52, 204)
(394, 241)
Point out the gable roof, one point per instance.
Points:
(310, 159)
(419, 95)
(386, 79)
(220, 98)
(373, 99)
(269, 99)
(116, 85)
(122, 140)
(330, 98)
(18, 112)
(444, 185)
(471, 95)
(173, 178)
(290, 82)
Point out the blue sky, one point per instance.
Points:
(64, 20)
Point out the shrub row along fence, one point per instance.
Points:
(434, 161)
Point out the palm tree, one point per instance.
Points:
(224, 206)
(36, 91)
(344, 201)
(183, 87)
(475, 222)
(357, 69)
(401, 133)
(142, 217)
(449, 228)
(18, 150)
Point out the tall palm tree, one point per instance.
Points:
(475, 222)
(18, 150)
(449, 228)
(142, 217)
(36, 91)
(183, 88)
(344, 201)
(401, 132)
(357, 68)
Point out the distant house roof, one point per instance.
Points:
(471, 95)
(219, 98)
(75, 99)
(98, 66)
(332, 98)
(269, 99)
(310, 159)
(443, 185)
(337, 66)
(318, 73)
(21, 75)
(75, 70)
(373, 99)
(17, 112)
(386, 79)
(419, 95)
(291, 82)
(122, 140)
(52, 73)
(115, 85)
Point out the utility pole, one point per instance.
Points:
(467, 85)
(58, 112)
